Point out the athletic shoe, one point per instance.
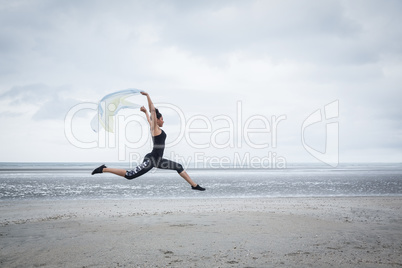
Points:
(199, 188)
(98, 170)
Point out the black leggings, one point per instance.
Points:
(150, 162)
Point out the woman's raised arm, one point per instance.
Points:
(153, 123)
(142, 109)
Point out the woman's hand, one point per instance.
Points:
(144, 93)
(146, 114)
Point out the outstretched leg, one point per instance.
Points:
(103, 168)
(141, 169)
(116, 171)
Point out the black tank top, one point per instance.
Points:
(159, 145)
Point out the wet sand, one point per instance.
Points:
(261, 232)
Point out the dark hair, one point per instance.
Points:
(158, 114)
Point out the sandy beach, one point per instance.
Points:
(263, 232)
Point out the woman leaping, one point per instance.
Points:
(154, 158)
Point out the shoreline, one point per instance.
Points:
(230, 232)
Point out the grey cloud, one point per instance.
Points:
(8, 114)
(256, 25)
(54, 109)
(201, 27)
(323, 32)
(101, 34)
(32, 94)
(71, 37)
(49, 100)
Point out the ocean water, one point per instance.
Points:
(48, 181)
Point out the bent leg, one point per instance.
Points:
(185, 176)
(194, 185)
(168, 164)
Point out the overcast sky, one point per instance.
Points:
(257, 60)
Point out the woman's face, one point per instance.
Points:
(160, 121)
